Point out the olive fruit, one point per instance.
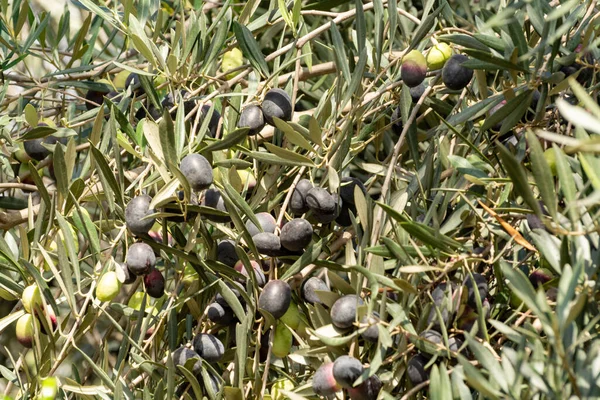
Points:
(455, 343)
(494, 110)
(343, 218)
(231, 60)
(213, 123)
(439, 295)
(236, 288)
(432, 336)
(586, 74)
(324, 384)
(416, 369)
(247, 178)
(454, 75)
(438, 55)
(186, 214)
(113, 96)
(325, 206)
(416, 93)
(220, 314)
(136, 215)
(310, 286)
(347, 189)
(268, 244)
(182, 354)
(252, 118)
(212, 382)
(371, 334)
(435, 338)
(35, 147)
(530, 114)
(292, 316)
(94, 98)
(277, 103)
(148, 110)
(267, 224)
(25, 330)
(279, 386)
(327, 218)
(140, 258)
(534, 222)
(346, 370)
(154, 282)
(296, 234)
(480, 282)
(133, 81)
(343, 311)
(214, 199)
(539, 277)
(48, 318)
(209, 347)
(275, 298)
(259, 275)
(189, 106)
(226, 253)
(298, 204)
(168, 102)
(413, 69)
(108, 286)
(263, 352)
(282, 341)
(368, 390)
(396, 120)
(31, 298)
(197, 170)
(320, 201)
(124, 275)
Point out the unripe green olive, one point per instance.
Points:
(49, 388)
(26, 330)
(120, 78)
(550, 157)
(282, 341)
(292, 316)
(190, 276)
(31, 298)
(438, 55)
(60, 235)
(135, 302)
(231, 60)
(108, 287)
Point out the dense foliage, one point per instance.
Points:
(348, 199)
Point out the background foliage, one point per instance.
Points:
(459, 190)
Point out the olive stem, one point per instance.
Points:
(267, 363)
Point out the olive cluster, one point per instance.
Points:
(133, 85)
(311, 207)
(37, 317)
(204, 347)
(331, 377)
(455, 75)
(451, 302)
(139, 218)
(276, 104)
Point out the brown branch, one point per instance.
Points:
(17, 185)
(14, 218)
